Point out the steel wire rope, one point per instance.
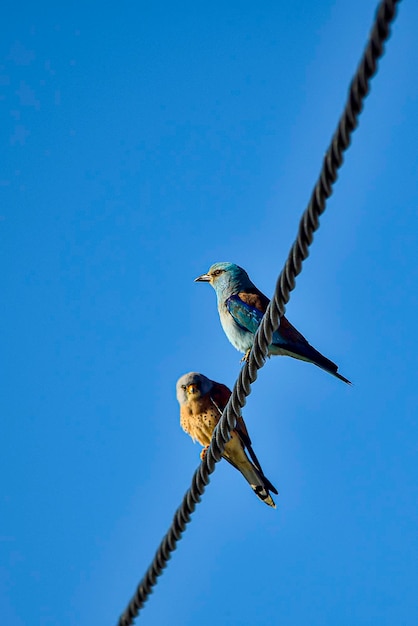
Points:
(286, 281)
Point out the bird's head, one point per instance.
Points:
(192, 386)
(226, 278)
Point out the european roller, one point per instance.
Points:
(241, 307)
(201, 404)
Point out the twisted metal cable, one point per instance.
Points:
(309, 223)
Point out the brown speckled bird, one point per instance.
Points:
(201, 404)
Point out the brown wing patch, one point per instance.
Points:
(221, 394)
(255, 299)
(259, 301)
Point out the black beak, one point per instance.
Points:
(205, 278)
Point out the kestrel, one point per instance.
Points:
(201, 404)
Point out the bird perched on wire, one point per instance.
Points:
(241, 308)
(202, 402)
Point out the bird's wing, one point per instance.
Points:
(287, 333)
(244, 437)
(220, 395)
(290, 341)
(235, 454)
(245, 314)
(247, 309)
(255, 298)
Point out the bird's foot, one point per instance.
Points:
(203, 453)
(246, 356)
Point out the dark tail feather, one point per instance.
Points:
(327, 365)
(259, 484)
(269, 486)
(308, 353)
(345, 380)
(257, 464)
(257, 481)
(264, 495)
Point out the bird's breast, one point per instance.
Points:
(201, 424)
(240, 338)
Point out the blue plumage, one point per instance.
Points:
(241, 308)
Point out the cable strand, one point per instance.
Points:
(309, 223)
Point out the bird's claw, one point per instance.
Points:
(203, 452)
(246, 356)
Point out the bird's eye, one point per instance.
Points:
(183, 387)
(217, 272)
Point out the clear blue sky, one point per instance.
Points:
(141, 143)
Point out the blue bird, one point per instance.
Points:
(241, 307)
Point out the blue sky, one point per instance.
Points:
(140, 144)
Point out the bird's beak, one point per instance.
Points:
(205, 278)
(191, 388)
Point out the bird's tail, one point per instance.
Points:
(306, 352)
(258, 483)
(287, 340)
(321, 361)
